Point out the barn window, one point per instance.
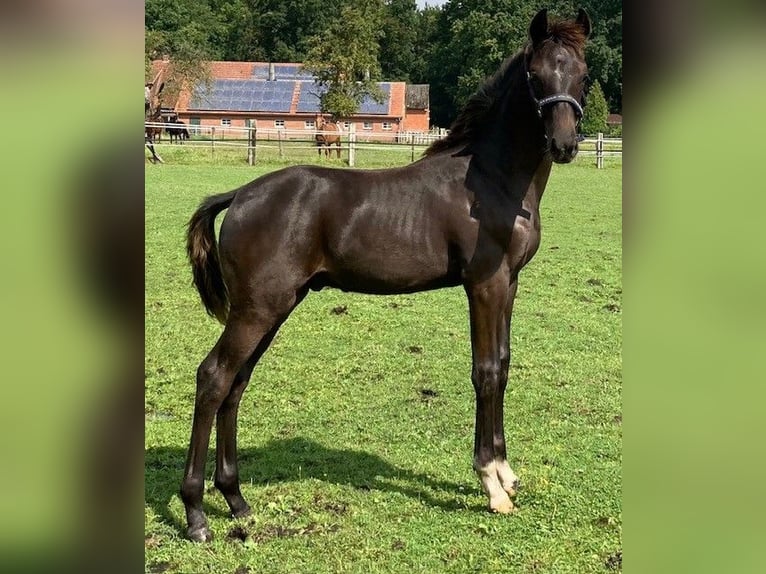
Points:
(309, 124)
(279, 124)
(386, 125)
(225, 122)
(367, 125)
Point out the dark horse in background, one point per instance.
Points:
(177, 131)
(327, 140)
(466, 214)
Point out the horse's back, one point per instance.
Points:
(373, 231)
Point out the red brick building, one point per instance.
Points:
(283, 96)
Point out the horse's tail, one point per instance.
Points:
(202, 249)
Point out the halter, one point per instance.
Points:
(549, 100)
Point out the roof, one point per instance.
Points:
(614, 119)
(245, 87)
(417, 96)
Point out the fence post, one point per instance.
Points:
(250, 143)
(212, 140)
(351, 144)
(279, 140)
(600, 150)
(412, 146)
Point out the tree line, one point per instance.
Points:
(452, 48)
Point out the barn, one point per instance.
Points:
(284, 96)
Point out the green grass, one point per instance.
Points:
(348, 465)
(234, 152)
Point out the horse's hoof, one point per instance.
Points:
(201, 534)
(513, 489)
(246, 511)
(502, 507)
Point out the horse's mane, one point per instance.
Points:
(474, 115)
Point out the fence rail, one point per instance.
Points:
(252, 139)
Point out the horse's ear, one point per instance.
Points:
(584, 21)
(538, 29)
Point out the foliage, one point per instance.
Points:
(356, 431)
(347, 63)
(452, 48)
(179, 31)
(595, 113)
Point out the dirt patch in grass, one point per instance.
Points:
(614, 562)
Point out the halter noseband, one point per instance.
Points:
(557, 98)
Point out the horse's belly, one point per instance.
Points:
(394, 273)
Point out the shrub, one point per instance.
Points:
(595, 113)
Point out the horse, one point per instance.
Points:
(465, 214)
(177, 131)
(324, 139)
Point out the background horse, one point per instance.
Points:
(177, 131)
(467, 214)
(327, 139)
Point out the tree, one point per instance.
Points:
(345, 58)
(474, 36)
(179, 30)
(596, 111)
(398, 43)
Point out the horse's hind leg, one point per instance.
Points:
(226, 468)
(221, 379)
(215, 377)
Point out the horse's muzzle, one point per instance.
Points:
(563, 152)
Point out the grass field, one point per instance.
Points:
(356, 432)
(368, 154)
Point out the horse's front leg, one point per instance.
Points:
(508, 478)
(487, 303)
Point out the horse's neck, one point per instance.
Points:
(511, 152)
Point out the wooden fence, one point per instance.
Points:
(283, 141)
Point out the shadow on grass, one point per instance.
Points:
(279, 461)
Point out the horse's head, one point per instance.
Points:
(319, 121)
(558, 79)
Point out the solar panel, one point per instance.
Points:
(308, 101)
(245, 95)
(264, 96)
(370, 106)
(282, 72)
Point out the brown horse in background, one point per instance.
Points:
(465, 215)
(326, 139)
